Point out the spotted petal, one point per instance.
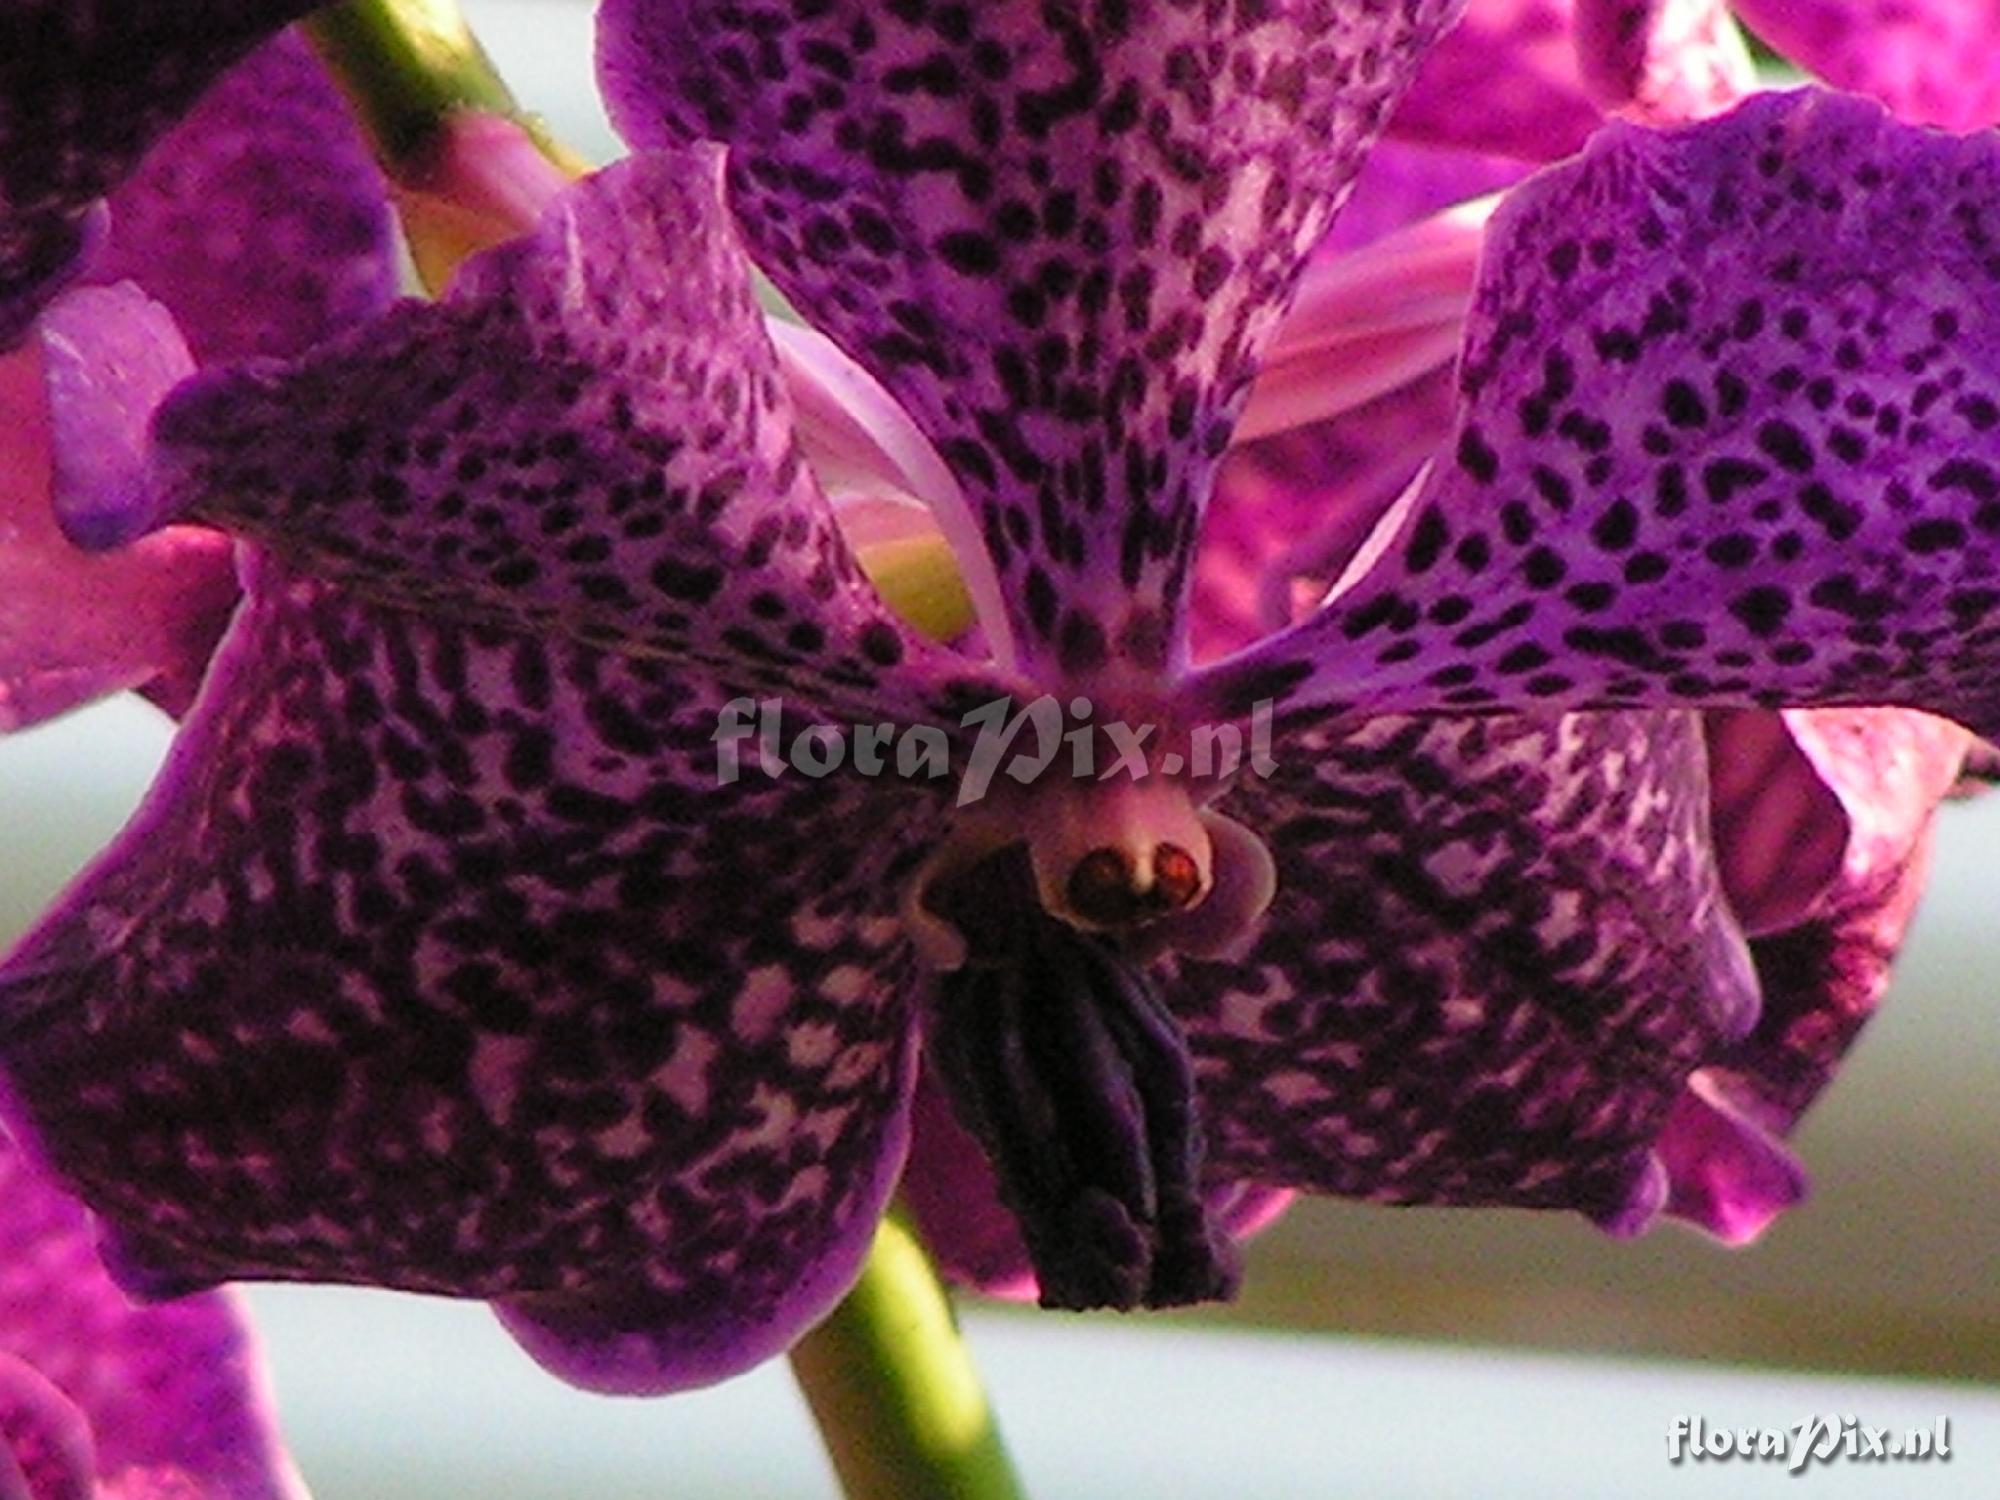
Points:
(1931, 61)
(260, 221)
(589, 436)
(149, 1401)
(1058, 235)
(84, 90)
(441, 961)
(1729, 434)
(1497, 950)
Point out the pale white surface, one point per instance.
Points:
(394, 1398)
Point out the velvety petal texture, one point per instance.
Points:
(1059, 234)
(99, 1397)
(950, 1191)
(1497, 950)
(1503, 81)
(1931, 61)
(588, 436)
(260, 221)
(1729, 434)
(84, 90)
(441, 961)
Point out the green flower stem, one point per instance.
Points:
(894, 1391)
(407, 65)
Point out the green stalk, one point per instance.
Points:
(407, 65)
(894, 1391)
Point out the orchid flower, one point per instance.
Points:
(102, 1399)
(1822, 852)
(442, 956)
(269, 145)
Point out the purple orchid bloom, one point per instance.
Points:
(1822, 855)
(269, 145)
(441, 957)
(102, 1399)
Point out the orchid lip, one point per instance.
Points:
(1063, 1060)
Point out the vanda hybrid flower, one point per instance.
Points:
(439, 959)
(101, 1399)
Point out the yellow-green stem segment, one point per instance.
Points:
(894, 1390)
(407, 65)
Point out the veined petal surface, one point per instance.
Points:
(1058, 232)
(447, 960)
(588, 437)
(1497, 950)
(1729, 434)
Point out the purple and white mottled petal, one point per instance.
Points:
(1059, 235)
(1823, 954)
(439, 959)
(950, 1191)
(84, 91)
(1662, 62)
(1824, 974)
(1497, 950)
(1729, 435)
(260, 221)
(588, 437)
(145, 1397)
(1504, 82)
(1930, 61)
(74, 626)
